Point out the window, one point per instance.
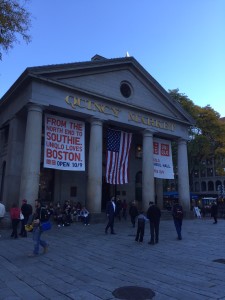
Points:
(196, 173)
(196, 186)
(203, 173)
(218, 183)
(210, 186)
(209, 172)
(203, 186)
(125, 89)
(209, 161)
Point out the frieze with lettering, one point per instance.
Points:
(75, 102)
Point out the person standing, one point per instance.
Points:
(154, 215)
(2, 212)
(141, 219)
(38, 217)
(214, 212)
(124, 209)
(110, 212)
(133, 212)
(15, 218)
(177, 213)
(26, 210)
(85, 216)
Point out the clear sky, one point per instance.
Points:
(180, 43)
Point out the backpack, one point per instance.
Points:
(45, 214)
(178, 212)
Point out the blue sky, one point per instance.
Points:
(180, 43)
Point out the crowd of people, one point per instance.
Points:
(152, 216)
(69, 212)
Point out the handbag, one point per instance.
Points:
(29, 227)
(21, 216)
(46, 226)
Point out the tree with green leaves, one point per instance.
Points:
(207, 136)
(14, 23)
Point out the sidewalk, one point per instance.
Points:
(84, 263)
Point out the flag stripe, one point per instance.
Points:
(118, 147)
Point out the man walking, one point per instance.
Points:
(37, 232)
(177, 213)
(154, 214)
(110, 212)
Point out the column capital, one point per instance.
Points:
(95, 121)
(34, 107)
(147, 133)
(182, 141)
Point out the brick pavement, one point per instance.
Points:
(84, 263)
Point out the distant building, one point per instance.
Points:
(208, 180)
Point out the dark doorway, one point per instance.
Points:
(46, 185)
(138, 186)
(105, 193)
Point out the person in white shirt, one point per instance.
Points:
(2, 212)
(84, 214)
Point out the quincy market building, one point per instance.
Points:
(53, 127)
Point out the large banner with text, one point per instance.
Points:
(162, 159)
(64, 144)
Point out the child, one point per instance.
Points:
(141, 227)
(84, 214)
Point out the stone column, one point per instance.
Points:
(32, 155)
(148, 190)
(159, 192)
(183, 175)
(94, 184)
(14, 161)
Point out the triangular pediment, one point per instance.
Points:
(105, 79)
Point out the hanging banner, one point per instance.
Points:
(64, 147)
(162, 159)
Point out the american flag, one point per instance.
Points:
(118, 147)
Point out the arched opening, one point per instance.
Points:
(197, 187)
(218, 183)
(210, 186)
(203, 186)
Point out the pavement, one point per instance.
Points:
(85, 264)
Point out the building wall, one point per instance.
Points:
(81, 95)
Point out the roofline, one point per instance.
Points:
(47, 69)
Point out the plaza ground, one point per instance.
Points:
(84, 263)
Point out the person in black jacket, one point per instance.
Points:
(177, 213)
(133, 212)
(26, 210)
(110, 212)
(214, 212)
(154, 214)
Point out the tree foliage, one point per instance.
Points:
(207, 136)
(14, 23)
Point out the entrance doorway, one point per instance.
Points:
(138, 186)
(46, 185)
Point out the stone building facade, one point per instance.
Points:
(101, 93)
